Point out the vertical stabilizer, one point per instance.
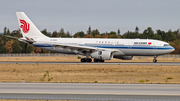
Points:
(28, 29)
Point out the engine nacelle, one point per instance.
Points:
(125, 57)
(102, 55)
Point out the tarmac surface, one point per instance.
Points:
(99, 63)
(90, 91)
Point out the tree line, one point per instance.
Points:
(8, 45)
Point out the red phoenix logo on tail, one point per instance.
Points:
(25, 26)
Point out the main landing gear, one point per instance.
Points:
(154, 60)
(90, 60)
(97, 60)
(86, 60)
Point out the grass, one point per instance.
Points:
(89, 73)
(168, 79)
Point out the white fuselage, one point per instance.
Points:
(126, 47)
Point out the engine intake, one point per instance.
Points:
(102, 55)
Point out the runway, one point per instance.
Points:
(93, 63)
(86, 91)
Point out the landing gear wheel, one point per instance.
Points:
(154, 60)
(101, 60)
(89, 60)
(96, 60)
(86, 60)
(83, 59)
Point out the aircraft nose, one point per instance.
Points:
(172, 49)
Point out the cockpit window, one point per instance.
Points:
(166, 45)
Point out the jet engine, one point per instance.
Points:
(102, 55)
(124, 57)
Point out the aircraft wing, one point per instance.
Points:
(82, 48)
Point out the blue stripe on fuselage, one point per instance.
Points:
(131, 47)
(117, 46)
(42, 45)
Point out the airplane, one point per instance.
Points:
(98, 48)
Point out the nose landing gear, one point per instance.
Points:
(154, 60)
